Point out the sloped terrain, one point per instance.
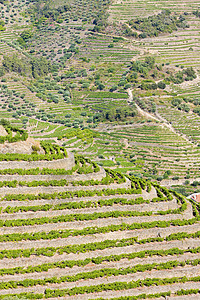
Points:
(90, 233)
(92, 60)
(99, 147)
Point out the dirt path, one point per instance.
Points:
(141, 111)
(39, 133)
(172, 129)
(157, 118)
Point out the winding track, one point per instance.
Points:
(158, 118)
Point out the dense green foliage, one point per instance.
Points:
(35, 67)
(143, 75)
(197, 13)
(116, 114)
(164, 22)
(177, 102)
(20, 134)
(181, 76)
(75, 9)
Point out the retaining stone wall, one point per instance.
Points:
(65, 163)
(140, 233)
(39, 214)
(58, 189)
(95, 176)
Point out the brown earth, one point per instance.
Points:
(22, 147)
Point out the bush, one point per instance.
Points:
(156, 24)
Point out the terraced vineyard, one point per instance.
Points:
(90, 233)
(99, 147)
(91, 48)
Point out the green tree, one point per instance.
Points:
(26, 35)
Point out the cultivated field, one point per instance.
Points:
(94, 210)
(94, 234)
